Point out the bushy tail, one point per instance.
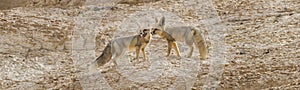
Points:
(105, 56)
(200, 43)
(102, 59)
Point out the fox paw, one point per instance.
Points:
(178, 57)
(136, 59)
(187, 56)
(135, 63)
(147, 58)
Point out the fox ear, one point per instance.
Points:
(162, 21)
(140, 31)
(156, 21)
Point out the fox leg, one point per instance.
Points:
(144, 55)
(137, 52)
(203, 51)
(190, 42)
(169, 48)
(174, 44)
(117, 55)
(191, 50)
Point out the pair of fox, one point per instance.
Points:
(188, 34)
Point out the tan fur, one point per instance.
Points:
(117, 47)
(105, 56)
(171, 41)
(201, 44)
(187, 34)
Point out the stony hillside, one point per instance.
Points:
(46, 44)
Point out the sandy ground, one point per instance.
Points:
(252, 45)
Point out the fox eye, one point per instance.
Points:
(145, 30)
(153, 32)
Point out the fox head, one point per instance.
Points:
(146, 33)
(159, 26)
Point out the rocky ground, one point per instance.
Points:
(253, 44)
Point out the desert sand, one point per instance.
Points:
(47, 44)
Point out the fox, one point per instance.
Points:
(188, 34)
(117, 47)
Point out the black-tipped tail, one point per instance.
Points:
(201, 44)
(105, 56)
